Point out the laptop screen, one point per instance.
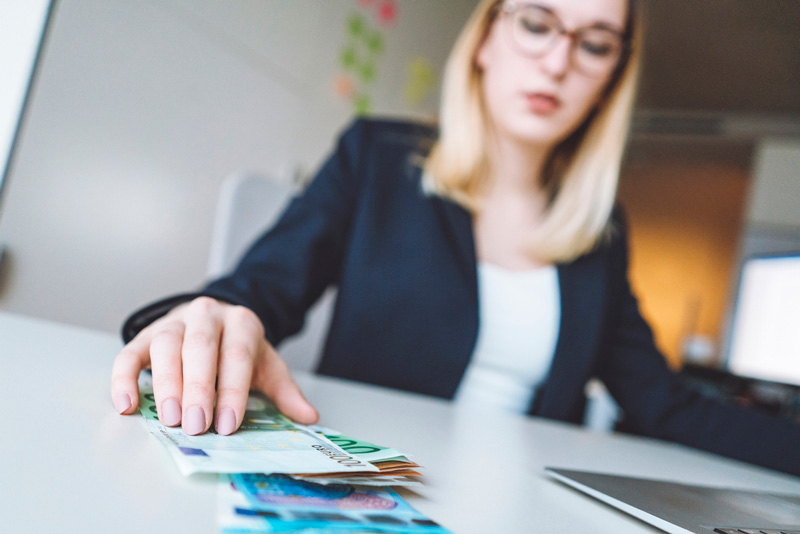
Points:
(22, 27)
(765, 334)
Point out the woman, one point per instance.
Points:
(505, 214)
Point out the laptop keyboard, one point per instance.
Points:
(754, 531)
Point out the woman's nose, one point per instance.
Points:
(556, 61)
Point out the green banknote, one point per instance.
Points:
(267, 442)
(364, 450)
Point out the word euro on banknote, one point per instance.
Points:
(266, 442)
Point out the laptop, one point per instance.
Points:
(686, 509)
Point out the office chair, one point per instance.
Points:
(248, 204)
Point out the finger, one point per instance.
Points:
(275, 380)
(200, 353)
(165, 361)
(242, 341)
(125, 374)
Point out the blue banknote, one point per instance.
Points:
(281, 503)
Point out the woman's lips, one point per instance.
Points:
(542, 103)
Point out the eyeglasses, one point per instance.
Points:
(535, 30)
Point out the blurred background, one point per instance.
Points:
(142, 109)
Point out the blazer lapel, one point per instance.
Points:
(457, 223)
(583, 294)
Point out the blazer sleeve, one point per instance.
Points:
(289, 267)
(657, 403)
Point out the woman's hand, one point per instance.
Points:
(194, 346)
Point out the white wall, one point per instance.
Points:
(773, 215)
(775, 195)
(142, 108)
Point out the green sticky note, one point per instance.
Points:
(349, 58)
(355, 26)
(374, 43)
(367, 71)
(363, 105)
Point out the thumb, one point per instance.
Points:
(275, 380)
(291, 402)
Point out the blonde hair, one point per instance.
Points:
(582, 173)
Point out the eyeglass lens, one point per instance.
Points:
(536, 30)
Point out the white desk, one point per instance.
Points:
(69, 463)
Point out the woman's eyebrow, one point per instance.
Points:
(606, 26)
(541, 6)
(599, 23)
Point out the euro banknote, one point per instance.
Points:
(255, 503)
(396, 469)
(266, 442)
(363, 449)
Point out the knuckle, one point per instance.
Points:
(168, 322)
(199, 341)
(232, 393)
(245, 317)
(126, 355)
(168, 328)
(166, 338)
(119, 381)
(198, 389)
(149, 329)
(143, 333)
(238, 354)
(203, 305)
(166, 380)
(241, 313)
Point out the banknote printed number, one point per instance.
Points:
(352, 446)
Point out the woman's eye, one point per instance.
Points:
(600, 49)
(535, 26)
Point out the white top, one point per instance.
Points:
(520, 313)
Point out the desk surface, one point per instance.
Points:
(69, 463)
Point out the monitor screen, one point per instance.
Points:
(22, 27)
(765, 334)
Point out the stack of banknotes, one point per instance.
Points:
(280, 476)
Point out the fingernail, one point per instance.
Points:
(226, 421)
(195, 422)
(170, 412)
(122, 403)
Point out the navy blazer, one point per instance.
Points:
(406, 313)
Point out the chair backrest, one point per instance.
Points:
(248, 205)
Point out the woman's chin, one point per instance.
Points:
(533, 136)
(535, 130)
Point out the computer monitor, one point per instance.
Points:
(23, 26)
(764, 338)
